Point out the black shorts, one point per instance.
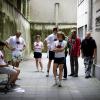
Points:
(37, 54)
(51, 55)
(59, 60)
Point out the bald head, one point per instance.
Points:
(88, 34)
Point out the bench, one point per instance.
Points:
(4, 82)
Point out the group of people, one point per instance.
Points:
(16, 44)
(59, 46)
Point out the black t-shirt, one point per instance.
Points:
(88, 46)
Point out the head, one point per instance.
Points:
(88, 35)
(66, 34)
(18, 34)
(55, 30)
(2, 44)
(74, 34)
(37, 37)
(60, 35)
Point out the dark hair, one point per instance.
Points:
(37, 36)
(55, 29)
(2, 43)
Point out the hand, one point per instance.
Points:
(93, 56)
(82, 56)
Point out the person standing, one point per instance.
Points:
(88, 50)
(49, 41)
(74, 43)
(16, 44)
(65, 65)
(37, 47)
(59, 49)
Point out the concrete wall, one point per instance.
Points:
(13, 21)
(82, 11)
(96, 29)
(44, 11)
(96, 33)
(82, 17)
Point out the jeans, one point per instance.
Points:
(74, 65)
(65, 68)
(88, 62)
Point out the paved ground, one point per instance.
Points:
(35, 86)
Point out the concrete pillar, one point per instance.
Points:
(22, 6)
(28, 9)
(89, 25)
(56, 13)
(25, 8)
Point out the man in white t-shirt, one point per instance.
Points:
(16, 44)
(50, 40)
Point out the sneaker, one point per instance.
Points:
(75, 75)
(47, 75)
(64, 78)
(55, 83)
(70, 74)
(42, 71)
(59, 84)
(88, 76)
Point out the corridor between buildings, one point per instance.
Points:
(32, 17)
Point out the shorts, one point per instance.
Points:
(17, 56)
(37, 54)
(59, 60)
(7, 70)
(51, 55)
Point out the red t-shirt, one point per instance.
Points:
(74, 49)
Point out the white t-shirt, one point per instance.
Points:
(38, 46)
(2, 62)
(17, 43)
(58, 44)
(50, 40)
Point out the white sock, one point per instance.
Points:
(55, 81)
(59, 82)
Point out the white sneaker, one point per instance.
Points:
(55, 83)
(59, 84)
(47, 75)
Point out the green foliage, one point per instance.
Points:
(44, 33)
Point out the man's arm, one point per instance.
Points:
(58, 49)
(94, 53)
(6, 65)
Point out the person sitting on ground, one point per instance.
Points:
(5, 69)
